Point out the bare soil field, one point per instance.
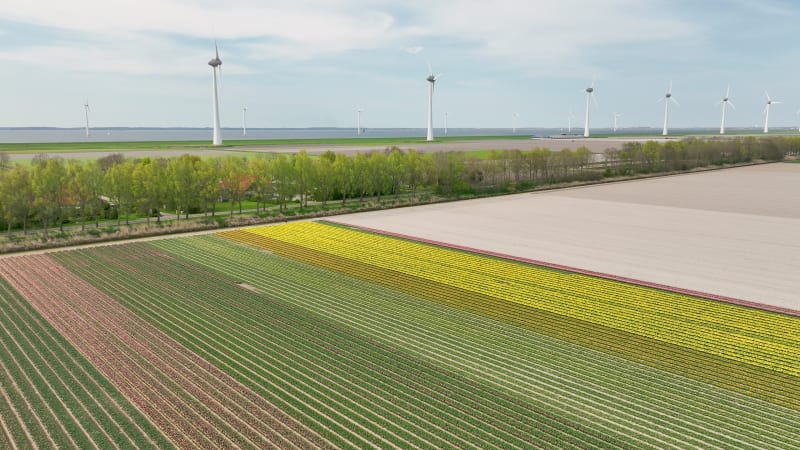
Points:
(729, 232)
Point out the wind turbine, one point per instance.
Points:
(667, 99)
(244, 120)
(770, 102)
(445, 123)
(514, 128)
(725, 101)
(431, 80)
(358, 121)
(86, 112)
(215, 65)
(569, 122)
(589, 93)
(616, 116)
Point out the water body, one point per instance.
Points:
(120, 134)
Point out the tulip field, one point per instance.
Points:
(315, 335)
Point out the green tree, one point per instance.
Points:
(260, 171)
(343, 171)
(118, 184)
(234, 178)
(302, 175)
(49, 182)
(85, 181)
(16, 189)
(182, 173)
(283, 175)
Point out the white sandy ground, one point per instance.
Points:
(733, 232)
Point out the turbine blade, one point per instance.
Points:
(776, 102)
(594, 99)
(430, 69)
(728, 92)
(768, 99)
(731, 103)
(674, 101)
(670, 87)
(660, 99)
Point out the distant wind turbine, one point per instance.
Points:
(514, 128)
(358, 121)
(216, 64)
(616, 117)
(86, 112)
(244, 120)
(589, 93)
(445, 123)
(770, 102)
(431, 80)
(569, 122)
(725, 101)
(667, 99)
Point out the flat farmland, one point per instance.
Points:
(320, 335)
(730, 232)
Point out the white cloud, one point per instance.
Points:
(414, 50)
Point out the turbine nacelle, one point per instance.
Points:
(589, 90)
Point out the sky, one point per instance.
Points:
(313, 63)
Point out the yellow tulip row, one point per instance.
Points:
(744, 334)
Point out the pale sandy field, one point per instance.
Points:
(733, 232)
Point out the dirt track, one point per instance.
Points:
(729, 232)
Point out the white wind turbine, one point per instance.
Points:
(445, 123)
(358, 121)
(514, 128)
(616, 118)
(86, 112)
(725, 101)
(244, 120)
(216, 64)
(770, 102)
(569, 122)
(667, 99)
(431, 80)
(589, 93)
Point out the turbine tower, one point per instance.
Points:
(725, 101)
(770, 102)
(215, 66)
(589, 93)
(244, 120)
(616, 118)
(667, 99)
(445, 123)
(431, 80)
(86, 112)
(514, 128)
(569, 122)
(358, 121)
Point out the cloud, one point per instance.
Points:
(517, 32)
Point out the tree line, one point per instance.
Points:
(52, 191)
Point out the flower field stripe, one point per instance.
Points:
(80, 374)
(192, 391)
(99, 415)
(752, 380)
(248, 270)
(299, 339)
(585, 298)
